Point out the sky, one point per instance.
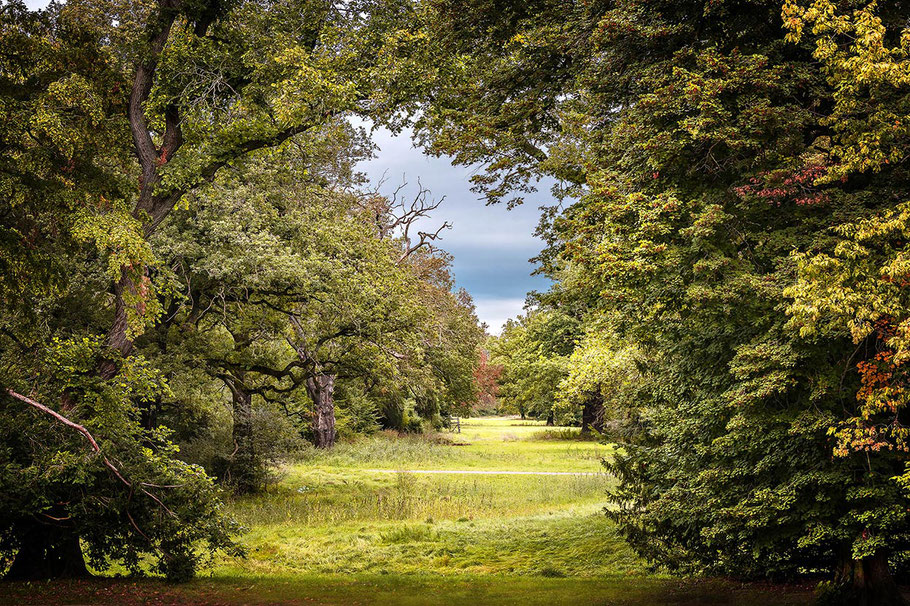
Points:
(491, 245)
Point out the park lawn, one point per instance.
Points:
(336, 513)
(336, 530)
(492, 443)
(320, 497)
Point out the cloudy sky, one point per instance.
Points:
(491, 245)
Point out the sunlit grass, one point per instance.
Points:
(561, 544)
(332, 514)
(489, 443)
(334, 532)
(315, 497)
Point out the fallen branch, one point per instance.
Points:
(58, 416)
(91, 440)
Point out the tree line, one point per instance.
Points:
(193, 275)
(726, 239)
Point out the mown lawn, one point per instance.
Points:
(336, 530)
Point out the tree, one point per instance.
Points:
(188, 88)
(601, 383)
(855, 287)
(261, 75)
(486, 376)
(76, 465)
(251, 249)
(703, 147)
(533, 352)
(384, 312)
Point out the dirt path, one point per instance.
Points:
(487, 472)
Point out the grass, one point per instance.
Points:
(490, 443)
(406, 590)
(575, 545)
(319, 497)
(335, 531)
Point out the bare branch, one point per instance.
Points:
(81, 429)
(395, 215)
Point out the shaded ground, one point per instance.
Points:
(485, 472)
(408, 590)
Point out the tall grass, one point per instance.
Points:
(348, 496)
(331, 514)
(407, 449)
(481, 447)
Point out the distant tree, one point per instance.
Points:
(486, 376)
(600, 385)
(533, 352)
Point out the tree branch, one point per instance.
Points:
(91, 440)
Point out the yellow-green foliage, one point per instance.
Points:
(597, 366)
(867, 74)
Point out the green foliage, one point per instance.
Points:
(64, 144)
(866, 57)
(710, 154)
(599, 370)
(51, 475)
(114, 113)
(534, 355)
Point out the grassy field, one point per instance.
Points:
(489, 443)
(351, 526)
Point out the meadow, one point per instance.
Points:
(362, 524)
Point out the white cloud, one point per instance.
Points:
(495, 311)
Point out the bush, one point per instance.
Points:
(355, 413)
(277, 438)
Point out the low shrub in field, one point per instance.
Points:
(277, 440)
(419, 533)
(567, 433)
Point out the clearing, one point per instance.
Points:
(388, 520)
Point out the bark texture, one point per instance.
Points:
(867, 582)
(245, 471)
(592, 415)
(321, 389)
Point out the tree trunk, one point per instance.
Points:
(592, 415)
(551, 420)
(587, 416)
(322, 391)
(245, 471)
(48, 552)
(598, 421)
(868, 582)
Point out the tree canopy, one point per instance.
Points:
(731, 236)
(182, 221)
